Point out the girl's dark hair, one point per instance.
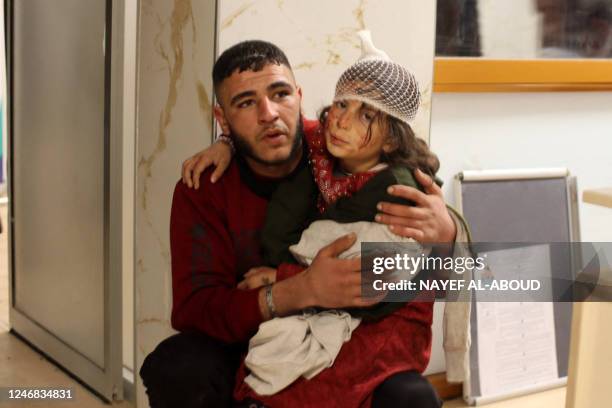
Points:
(408, 150)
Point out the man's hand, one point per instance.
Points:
(427, 222)
(336, 283)
(328, 282)
(258, 277)
(218, 154)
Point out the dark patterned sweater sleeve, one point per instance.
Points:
(204, 271)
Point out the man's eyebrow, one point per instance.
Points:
(271, 87)
(241, 95)
(279, 84)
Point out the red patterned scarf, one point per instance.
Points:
(322, 163)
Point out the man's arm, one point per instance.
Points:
(218, 154)
(205, 297)
(429, 221)
(328, 282)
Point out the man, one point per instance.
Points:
(214, 242)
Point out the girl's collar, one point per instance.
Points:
(375, 169)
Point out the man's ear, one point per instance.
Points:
(221, 120)
(298, 91)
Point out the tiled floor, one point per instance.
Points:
(22, 366)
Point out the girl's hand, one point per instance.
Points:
(258, 277)
(218, 154)
(428, 221)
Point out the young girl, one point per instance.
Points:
(363, 146)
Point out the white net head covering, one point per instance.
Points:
(380, 82)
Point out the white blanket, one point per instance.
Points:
(322, 233)
(287, 348)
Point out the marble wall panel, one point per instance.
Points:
(174, 120)
(319, 38)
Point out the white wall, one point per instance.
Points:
(518, 130)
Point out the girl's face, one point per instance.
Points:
(346, 135)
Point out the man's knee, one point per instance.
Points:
(190, 369)
(406, 389)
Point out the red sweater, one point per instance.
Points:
(214, 241)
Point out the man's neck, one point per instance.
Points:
(275, 171)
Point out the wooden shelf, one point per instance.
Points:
(601, 196)
(456, 74)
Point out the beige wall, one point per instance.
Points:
(591, 356)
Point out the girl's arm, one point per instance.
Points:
(258, 277)
(218, 154)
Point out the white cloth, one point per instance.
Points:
(284, 349)
(322, 233)
(456, 320)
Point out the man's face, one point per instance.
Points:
(262, 111)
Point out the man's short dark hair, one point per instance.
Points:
(250, 55)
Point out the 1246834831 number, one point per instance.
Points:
(23, 393)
